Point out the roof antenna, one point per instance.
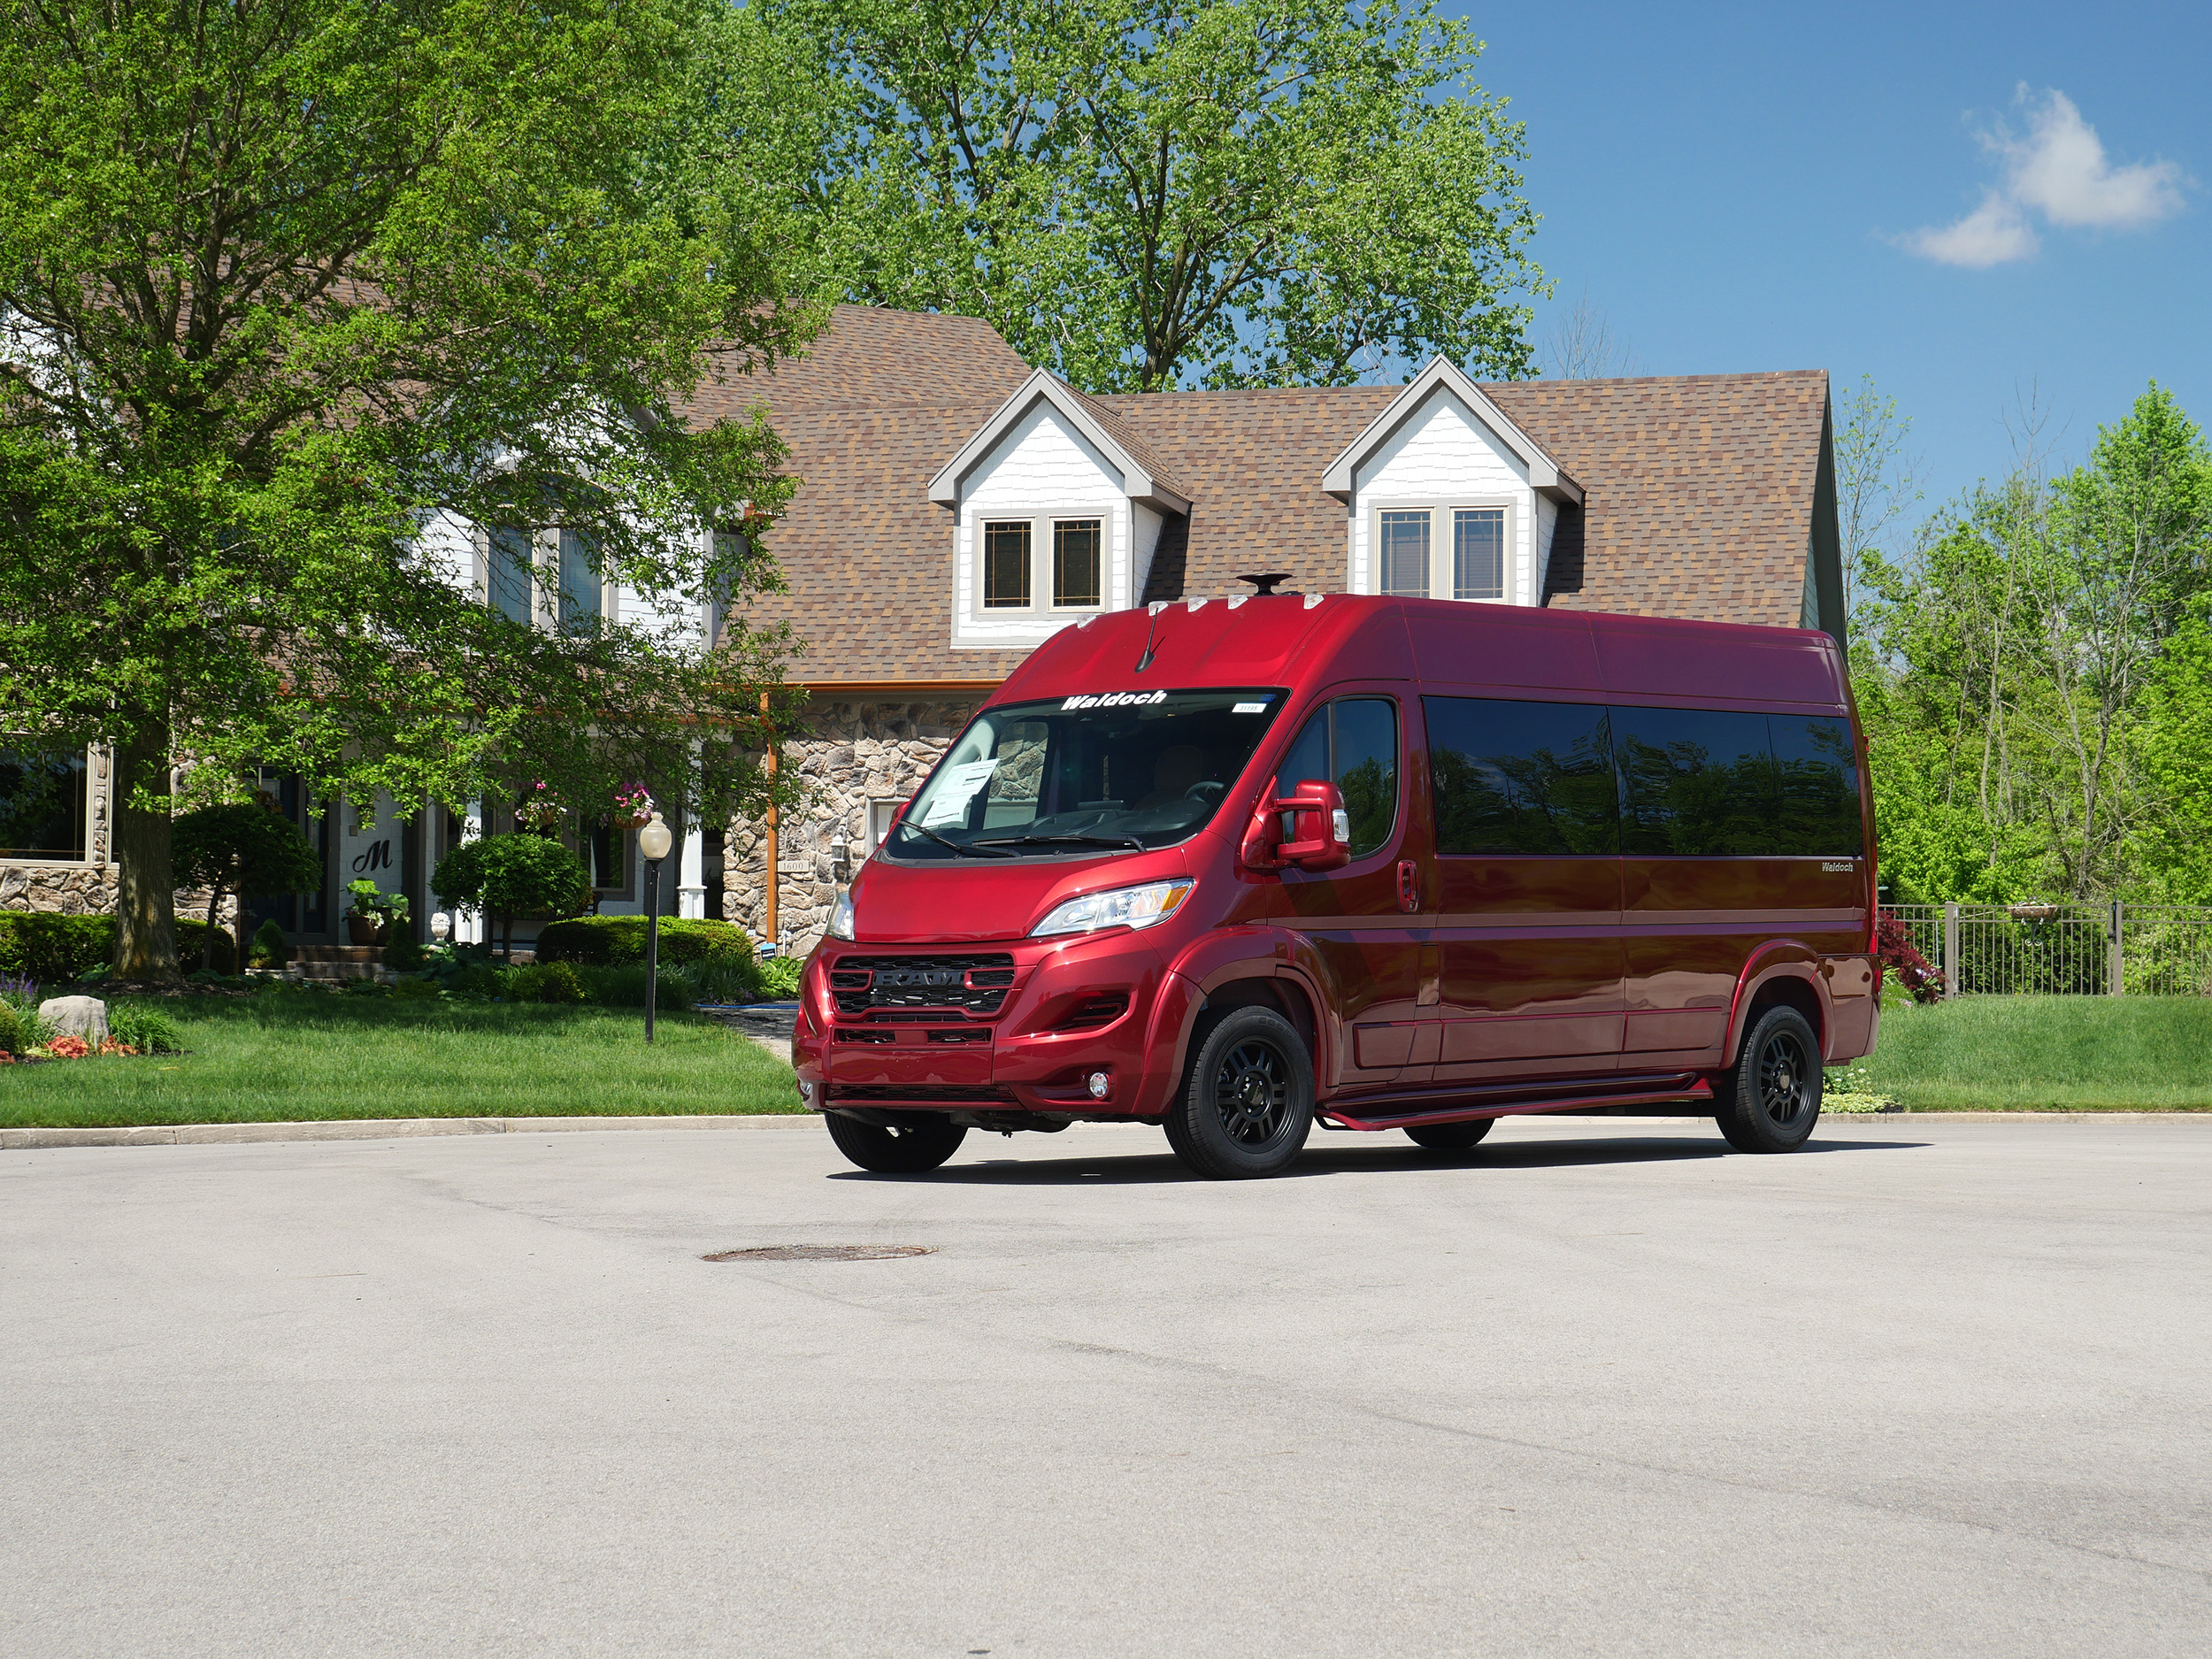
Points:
(1264, 581)
(1156, 607)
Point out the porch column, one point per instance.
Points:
(691, 871)
(469, 929)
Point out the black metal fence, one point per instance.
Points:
(2112, 949)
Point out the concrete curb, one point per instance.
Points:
(366, 1129)
(406, 1128)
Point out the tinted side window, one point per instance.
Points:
(1352, 742)
(1694, 782)
(1521, 777)
(1818, 814)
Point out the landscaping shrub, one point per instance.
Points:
(617, 941)
(270, 949)
(546, 982)
(148, 1030)
(404, 956)
(57, 949)
(779, 977)
(507, 876)
(11, 1032)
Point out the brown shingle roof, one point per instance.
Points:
(1700, 489)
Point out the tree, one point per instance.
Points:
(2026, 672)
(314, 307)
(1877, 481)
(241, 847)
(507, 876)
(1151, 194)
(1582, 346)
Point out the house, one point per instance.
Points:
(957, 507)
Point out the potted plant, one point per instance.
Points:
(371, 912)
(632, 806)
(538, 810)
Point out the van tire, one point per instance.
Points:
(1449, 1137)
(913, 1148)
(1247, 1104)
(1769, 1099)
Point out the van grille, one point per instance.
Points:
(977, 984)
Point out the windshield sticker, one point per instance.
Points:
(1115, 700)
(955, 788)
(1251, 708)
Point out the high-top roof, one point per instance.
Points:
(1701, 493)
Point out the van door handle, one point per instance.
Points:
(1408, 886)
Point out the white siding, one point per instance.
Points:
(1042, 469)
(1443, 457)
(449, 546)
(1547, 521)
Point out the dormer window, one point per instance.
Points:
(1062, 559)
(1442, 552)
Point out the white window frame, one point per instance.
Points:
(1042, 529)
(96, 783)
(1443, 526)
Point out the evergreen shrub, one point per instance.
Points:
(618, 941)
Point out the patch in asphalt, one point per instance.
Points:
(823, 1252)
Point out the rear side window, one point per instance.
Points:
(1521, 777)
(1817, 773)
(1353, 743)
(1694, 782)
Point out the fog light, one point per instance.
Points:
(1098, 1086)
(806, 1090)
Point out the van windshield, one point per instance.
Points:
(1076, 776)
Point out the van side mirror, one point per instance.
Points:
(1306, 828)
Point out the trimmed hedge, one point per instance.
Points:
(55, 949)
(602, 941)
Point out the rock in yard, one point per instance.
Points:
(85, 1016)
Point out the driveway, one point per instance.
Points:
(1597, 1388)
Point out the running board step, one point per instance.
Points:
(1697, 1091)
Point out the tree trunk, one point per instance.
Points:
(145, 883)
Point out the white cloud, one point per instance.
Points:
(2057, 169)
(1991, 234)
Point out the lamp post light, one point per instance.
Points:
(653, 843)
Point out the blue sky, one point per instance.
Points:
(1728, 185)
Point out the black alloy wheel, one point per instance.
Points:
(908, 1148)
(1247, 1104)
(1770, 1100)
(1449, 1137)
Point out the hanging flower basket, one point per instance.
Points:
(538, 810)
(2032, 911)
(632, 806)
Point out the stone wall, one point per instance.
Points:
(846, 754)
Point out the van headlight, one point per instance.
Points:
(841, 921)
(1120, 907)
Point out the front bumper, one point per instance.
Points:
(1021, 1028)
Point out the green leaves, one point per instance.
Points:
(1143, 194)
(2032, 678)
(309, 299)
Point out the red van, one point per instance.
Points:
(1229, 866)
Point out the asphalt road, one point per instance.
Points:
(1600, 1389)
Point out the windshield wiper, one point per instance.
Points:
(1064, 841)
(966, 849)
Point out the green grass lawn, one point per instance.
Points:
(284, 1056)
(2048, 1054)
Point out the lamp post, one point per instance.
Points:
(653, 843)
